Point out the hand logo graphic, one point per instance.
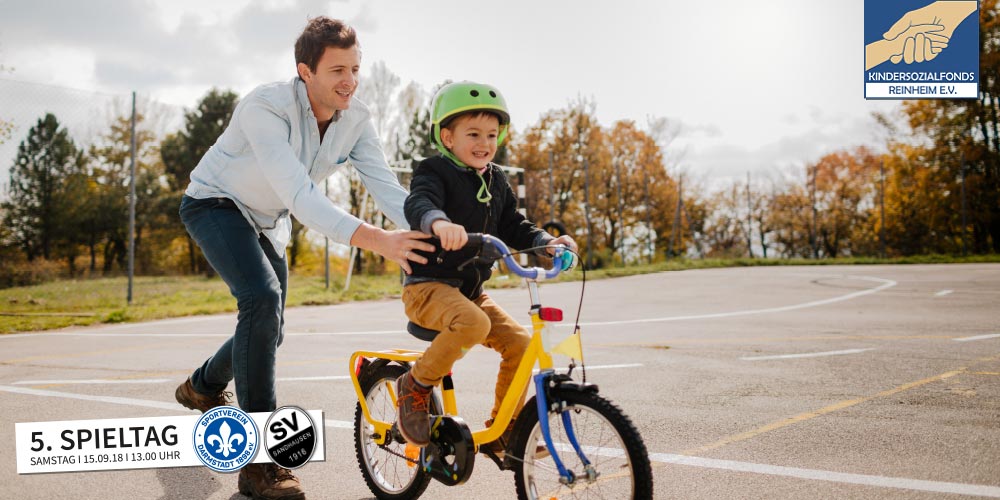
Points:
(920, 35)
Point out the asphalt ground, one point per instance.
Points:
(777, 382)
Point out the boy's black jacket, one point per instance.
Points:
(440, 185)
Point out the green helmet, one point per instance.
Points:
(456, 98)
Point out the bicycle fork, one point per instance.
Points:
(544, 400)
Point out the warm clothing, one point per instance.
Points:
(464, 323)
(442, 190)
(270, 162)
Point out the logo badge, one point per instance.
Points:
(225, 439)
(921, 49)
(290, 437)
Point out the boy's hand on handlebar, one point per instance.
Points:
(452, 236)
(568, 259)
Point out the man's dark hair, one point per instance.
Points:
(320, 33)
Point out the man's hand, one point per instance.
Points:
(397, 246)
(453, 236)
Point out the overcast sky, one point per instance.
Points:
(754, 86)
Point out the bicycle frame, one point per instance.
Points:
(536, 352)
(522, 377)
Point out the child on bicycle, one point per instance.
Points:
(452, 194)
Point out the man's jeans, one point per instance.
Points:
(258, 277)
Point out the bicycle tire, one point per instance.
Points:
(387, 474)
(602, 430)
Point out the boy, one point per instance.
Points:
(457, 192)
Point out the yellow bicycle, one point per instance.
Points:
(592, 450)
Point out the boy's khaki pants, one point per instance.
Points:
(464, 323)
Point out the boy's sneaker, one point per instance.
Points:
(412, 401)
(269, 482)
(194, 400)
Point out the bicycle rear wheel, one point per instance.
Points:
(608, 439)
(391, 472)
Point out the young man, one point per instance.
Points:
(457, 192)
(283, 140)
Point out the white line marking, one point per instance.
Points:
(885, 284)
(774, 470)
(942, 293)
(807, 355)
(93, 381)
(101, 333)
(319, 378)
(100, 399)
(836, 477)
(977, 337)
(313, 379)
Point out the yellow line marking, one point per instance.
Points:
(770, 339)
(802, 417)
(985, 373)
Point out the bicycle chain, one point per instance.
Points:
(404, 457)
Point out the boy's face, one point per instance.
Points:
(473, 139)
(336, 78)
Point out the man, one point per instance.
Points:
(284, 139)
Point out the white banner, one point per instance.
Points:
(123, 443)
(911, 90)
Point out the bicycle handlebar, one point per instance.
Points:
(496, 250)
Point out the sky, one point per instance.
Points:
(759, 87)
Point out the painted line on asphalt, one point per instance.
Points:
(807, 355)
(881, 481)
(802, 417)
(319, 378)
(92, 381)
(805, 305)
(977, 337)
(831, 476)
(942, 293)
(885, 283)
(99, 399)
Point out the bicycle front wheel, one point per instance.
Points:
(607, 438)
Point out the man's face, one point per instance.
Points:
(473, 139)
(334, 82)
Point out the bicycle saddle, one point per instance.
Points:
(420, 332)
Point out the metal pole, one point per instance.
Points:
(621, 221)
(131, 209)
(326, 240)
(649, 222)
(586, 210)
(677, 219)
(965, 224)
(749, 220)
(522, 206)
(812, 225)
(881, 228)
(552, 187)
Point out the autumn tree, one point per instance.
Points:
(40, 209)
(182, 150)
(111, 172)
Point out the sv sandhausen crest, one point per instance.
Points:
(225, 439)
(290, 438)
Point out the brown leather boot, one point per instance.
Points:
(269, 482)
(194, 400)
(412, 401)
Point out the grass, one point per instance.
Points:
(84, 302)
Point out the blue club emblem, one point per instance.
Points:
(225, 439)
